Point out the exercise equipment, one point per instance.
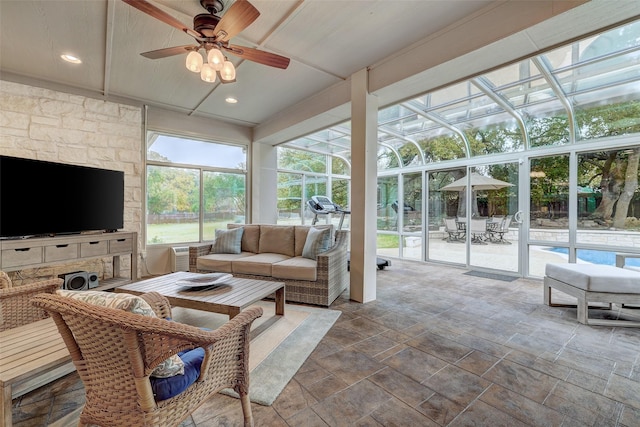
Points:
(322, 205)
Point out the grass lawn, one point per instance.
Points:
(181, 232)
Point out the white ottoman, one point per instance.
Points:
(593, 283)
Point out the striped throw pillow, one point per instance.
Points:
(227, 241)
(318, 241)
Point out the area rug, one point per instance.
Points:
(279, 345)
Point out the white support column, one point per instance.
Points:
(364, 150)
(264, 184)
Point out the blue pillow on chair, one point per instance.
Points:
(166, 388)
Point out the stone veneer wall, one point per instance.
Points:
(45, 124)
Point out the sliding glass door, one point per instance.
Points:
(477, 214)
(447, 209)
(493, 223)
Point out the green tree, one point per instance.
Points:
(172, 190)
(299, 160)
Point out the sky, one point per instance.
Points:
(182, 150)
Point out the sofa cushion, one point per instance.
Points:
(595, 277)
(277, 239)
(297, 268)
(219, 262)
(318, 241)
(227, 241)
(133, 304)
(250, 238)
(259, 265)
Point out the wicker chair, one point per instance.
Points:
(15, 309)
(115, 352)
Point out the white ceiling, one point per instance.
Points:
(326, 40)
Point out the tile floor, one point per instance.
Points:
(437, 348)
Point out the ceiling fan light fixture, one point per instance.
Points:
(228, 71)
(194, 61)
(208, 74)
(215, 58)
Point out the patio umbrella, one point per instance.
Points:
(478, 182)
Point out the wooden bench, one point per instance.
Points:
(30, 356)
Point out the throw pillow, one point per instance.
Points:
(227, 241)
(318, 241)
(133, 304)
(250, 237)
(5, 281)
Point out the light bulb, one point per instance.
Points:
(215, 58)
(194, 61)
(208, 74)
(228, 71)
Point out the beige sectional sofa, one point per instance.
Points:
(275, 252)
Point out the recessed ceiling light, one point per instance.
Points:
(71, 58)
(231, 100)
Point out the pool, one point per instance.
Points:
(596, 257)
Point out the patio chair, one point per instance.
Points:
(501, 230)
(454, 234)
(116, 351)
(15, 308)
(478, 230)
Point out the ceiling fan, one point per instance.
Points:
(212, 33)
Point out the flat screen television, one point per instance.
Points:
(39, 198)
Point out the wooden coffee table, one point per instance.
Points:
(228, 298)
(32, 355)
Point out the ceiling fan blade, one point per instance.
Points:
(169, 51)
(259, 56)
(157, 13)
(239, 16)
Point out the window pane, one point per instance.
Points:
(447, 211)
(173, 149)
(446, 146)
(339, 166)
(304, 161)
(387, 195)
(608, 197)
(549, 128)
(505, 136)
(289, 198)
(173, 205)
(340, 196)
(387, 158)
(549, 199)
(315, 186)
(224, 201)
(340, 192)
(388, 244)
(412, 187)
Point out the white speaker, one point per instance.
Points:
(76, 281)
(93, 280)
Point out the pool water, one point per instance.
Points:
(596, 257)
